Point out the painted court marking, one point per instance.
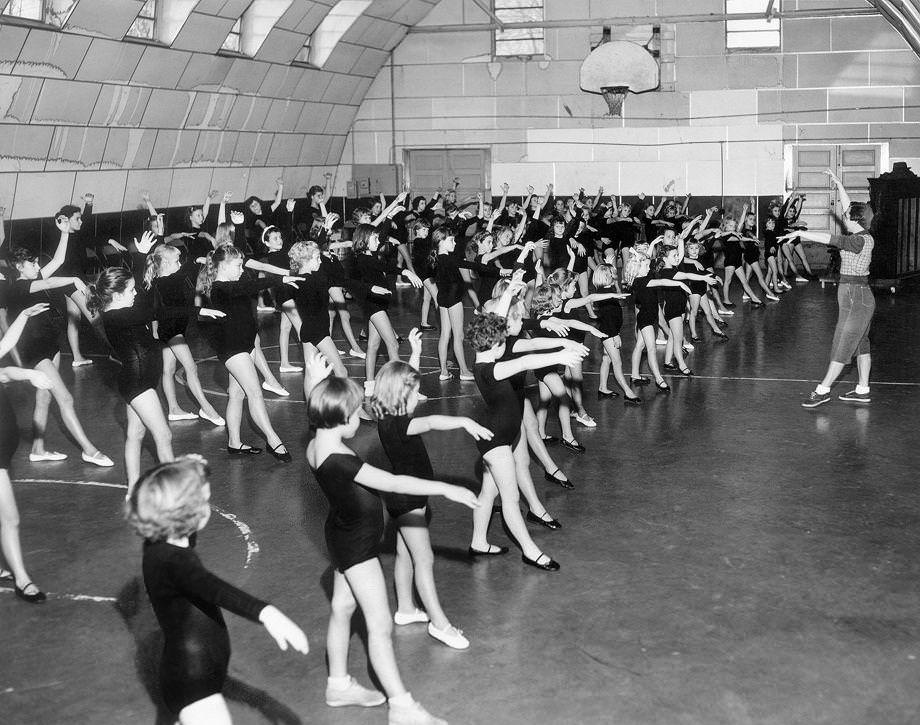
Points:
(252, 546)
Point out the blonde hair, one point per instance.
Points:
(225, 233)
(169, 500)
(633, 264)
(546, 298)
(208, 273)
(603, 276)
(155, 260)
(301, 253)
(393, 385)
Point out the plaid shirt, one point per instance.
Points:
(855, 253)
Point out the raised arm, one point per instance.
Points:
(60, 252)
(279, 192)
(151, 209)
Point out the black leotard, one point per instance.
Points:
(176, 290)
(9, 431)
(646, 301)
(731, 248)
(697, 287)
(40, 340)
(187, 600)
(370, 271)
(354, 526)
(140, 355)
(751, 251)
(312, 300)
(408, 457)
(609, 313)
(673, 299)
(236, 332)
(449, 280)
(503, 410)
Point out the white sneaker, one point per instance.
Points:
(723, 311)
(264, 308)
(445, 376)
(369, 388)
(688, 346)
(357, 353)
(412, 714)
(451, 636)
(417, 616)
(744, 297)
(467, 376)
(771, 296)
(173, 417)
(98, 459)
(799, 278)
(421, 397)
(661, 341)
(291, 369)
(81, 363)
(586, 420)
(47, 456)
(354, 694)
(218, 421)
(277, 391)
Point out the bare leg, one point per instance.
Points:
(524, 480)
(500, 463)
(373, 344)
(149, 414)
(64, 400)
(211, 710)
(747, 288)
(800, 250)
(416, 546)
(73, 330)
(727, 283)
(258, 357)
(9, 531)
(179, 348)
(342, 608)
(455, 315)
(337, 295)
(557, 388)
(864, 367)
(537, 446)
(482, 515)
(612, 347)
(243, 375)
(169, 382)
(677, 335)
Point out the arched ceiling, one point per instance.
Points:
(904, 15)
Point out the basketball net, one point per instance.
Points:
(614, 95)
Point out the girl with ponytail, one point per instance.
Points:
(172, 286)
(234, 340)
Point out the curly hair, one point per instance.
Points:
(208, 273)
(546, 299)
(486, 331)
(109, 281)
(169, 500)
(301, 253)
(358, 213)
(333, 401)
(604, 276)
(21, 255)
(393, 385)
(561, 278)
(154, 262)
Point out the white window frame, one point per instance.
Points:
(742, 36)
(502, 40)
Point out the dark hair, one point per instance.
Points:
(109, 281)
(21, 255)
(315, 190)
(68, 210)
(248, 202)
(363, 232)
(486, 331)
(417, 200)
(358, 213)
(451, 209)
(333, 401)
(421, 222)
(661, 253)
(862, 213)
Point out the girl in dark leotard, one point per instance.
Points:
(450, 301)
(395, 399)
(233, 338)
(167, 507)
(752, 247)
(39, 345)
(312, 300)
(9, 441)
(421, 261)
(698, 291)
(609, 322)
(172, 285)
(734, 259)
(369, 281)
(500, 455)
(276, 254)
(353, 531)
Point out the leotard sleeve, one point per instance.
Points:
(192, 579)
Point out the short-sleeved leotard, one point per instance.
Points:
(236, 332)
(697, 287)
(673, 299)
(503, 411)
(646, 300)
(731, 248)
(354, 526)
(408, 457)
(371, 271)
(609, 313)
(187, 600)
(312, 300)
(40, 340)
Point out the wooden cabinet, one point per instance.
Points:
(895, 199)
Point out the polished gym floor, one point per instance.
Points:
(727, 556)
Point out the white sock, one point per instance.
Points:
(338, 683)
(401, 700)
(862, 389)
(822, 389)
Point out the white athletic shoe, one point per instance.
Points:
(47, 456)
(354, 694)
(451, 636)
(357, 353)
(415, 617)
(277, 391)
(412, 714)
(799, 278)
(586, 420)
(661, 341)
(81, 363)
(291, 369)
(745, 297)
(173, 417)
(723, 311)
(771, 296)
(688, 346)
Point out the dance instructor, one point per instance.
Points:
(855, 300)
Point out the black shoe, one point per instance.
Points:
(425, 328)
(362, 335)
(241, 451)
(36, 598)
(721, 323)
(549, 440)
(728, 305)
(573, 446)
(720, 334)
(602, 394)
(549, 523)
(632, 401)
(687, 373)
(663, 387)
(284, 457)
(549, 565)
(552, 478)
(695, 338)
(758, 303)
(671, 366)
(476, 552)
(639, 381)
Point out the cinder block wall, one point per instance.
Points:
(721, 131)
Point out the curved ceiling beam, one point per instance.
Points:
(905, 18)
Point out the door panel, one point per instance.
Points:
(433, 169)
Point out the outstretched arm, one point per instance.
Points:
(60, 253)
(380, 480)
(279, 191)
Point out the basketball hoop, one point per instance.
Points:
(615, 95)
